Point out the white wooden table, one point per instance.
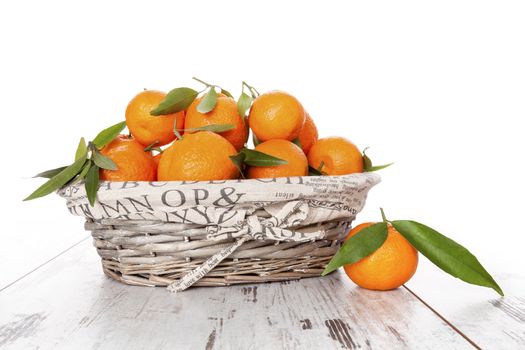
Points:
(67, 303)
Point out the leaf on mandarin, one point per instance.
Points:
(58, 180)
(256, 158)
(367, 163)
(107, 135)
(151, 147)
(359, 246)
(446, 254)
(208, 102)
(314, 172)
(226, 92)
(81, 149)
(243, 104)
(85, 169)
(91, 184)
(213, 128)
(175, 101)
(50, 173)
(103, 162)
(238, 161)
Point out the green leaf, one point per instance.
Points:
(58, 180)
(103, 162)
(50, 173)
(238, 161)
(226, 92)
(81, 149)
(379, 167)
(297, 142)
(91, 184)
(255, 140)
(213, 128)
(152, 147)
(107, 135)
(208, 102)
(243, 104)
(359, 246)
(367, 163)
(175, 101)
(253, 91)
(446, 254)
(256, 158)
(85, 169)
(314, 172)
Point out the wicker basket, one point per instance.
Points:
(279, 230)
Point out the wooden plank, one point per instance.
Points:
(491, 321)
(69, 304)
(29, 240)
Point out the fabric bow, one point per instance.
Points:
(276, 227)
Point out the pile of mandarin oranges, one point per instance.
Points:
(281, 128)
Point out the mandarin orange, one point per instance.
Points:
(389, 267)
(133, 163)
(335, 156)
(224, 112)
(276, 115)
(146, 128)
(199, 156)
(283, 149)
(308, 134)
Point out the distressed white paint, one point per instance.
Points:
(491, 321)
(31, 236)
(69, 304)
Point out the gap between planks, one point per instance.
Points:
(43, 264)
(443, 318)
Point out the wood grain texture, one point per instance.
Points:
(491, 321)
(69, 304)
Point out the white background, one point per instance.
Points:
(436, 87)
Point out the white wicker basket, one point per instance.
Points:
(217, 233)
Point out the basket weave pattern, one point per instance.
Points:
(153, 253)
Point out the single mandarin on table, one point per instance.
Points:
(335, 156)
(224, 112)
(283, 149)
(146, 128)
(389, 267)
(276, 115)
(133, 163)
(308, 134)
(199, 156)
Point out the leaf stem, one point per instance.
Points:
(151, 147)
(385, 220)
(253, 91)
(203, 82)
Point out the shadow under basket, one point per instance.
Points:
(154, 253)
